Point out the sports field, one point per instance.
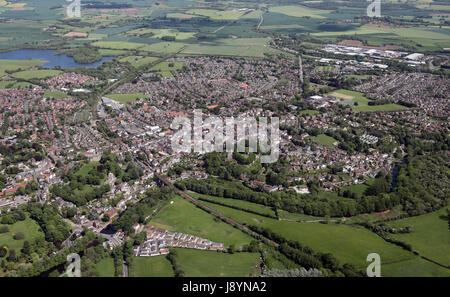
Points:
(196, 263)
(324, 140)
(126, 98)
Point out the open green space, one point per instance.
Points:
(261, 209)
(384, 107)
(324, 140)
(244, 47)
(308, 112)
(13, 65)
(126, 98)
(217, 14)
(430, 235)
(105, 267)
(55, 94)
(28, 227)
(198, 263)
(183, 216)
(157, 266)
(300, 11)
(138, 61)
(166, 68)
(36, 74)
(416, 267)
(350, 244)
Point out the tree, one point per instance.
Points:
(12, 256)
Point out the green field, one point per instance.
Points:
(36, 74)
(324, 68)
(105, 267)
(261, 209)
(308, 112)
(55, 94)
(159, 33)
(348, 243)
(157, 266)
(350, 97)
(13, 65)
(416, 267)
(28, 227)
(163, 48)
(217, 14)
(166, 68)
(244, 47)
(121, 45)
(126, 98)
(430, 235)
(138, 61)
(197, 263)
(183, 216)
(300, 11)
(324, 140)
(384, 107)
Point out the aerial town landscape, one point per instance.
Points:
(88, 164)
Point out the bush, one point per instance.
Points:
(4, 229)
(18, 236)
(3, 252)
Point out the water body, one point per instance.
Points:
(51, 60)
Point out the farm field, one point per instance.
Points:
(243, 47)
(197, 263)
(13, 65)
(300, 11)
(430, 235)
(157, 266)
(163, 47)
(126, 98)
(28, 227)
(217, 14)
(35, 74)
(105, 268)
(349, 244)
(416, 267)
(159, 33)
(182, 216)
(324, 140)
(118, 45)
(261, 209)
(138, 61)
(166, 68)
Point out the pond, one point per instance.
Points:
(51, 60)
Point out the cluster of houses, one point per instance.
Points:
(159, 240)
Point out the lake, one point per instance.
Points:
(51, 60)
